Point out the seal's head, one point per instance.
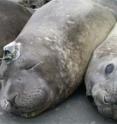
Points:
(22, 90)
(101, 83)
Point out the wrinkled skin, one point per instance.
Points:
(101, 76)
(56, 45)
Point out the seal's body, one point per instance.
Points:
(12, 19)
(110, 4)
(55, 47)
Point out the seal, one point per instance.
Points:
(101, 76)
(12, 19)
(45, 64)
(110, 4)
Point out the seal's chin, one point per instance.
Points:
(8, 108)
(105, 110)
(24, 112)
(30, 114)
(27, 114)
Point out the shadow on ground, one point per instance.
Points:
(75, 110)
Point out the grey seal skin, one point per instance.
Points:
(45, 64)
(101, 76)
(12, 19)
(110, 4)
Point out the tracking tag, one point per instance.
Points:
(11, 51)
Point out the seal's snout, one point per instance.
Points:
(112, 99)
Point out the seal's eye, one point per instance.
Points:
(109, 69)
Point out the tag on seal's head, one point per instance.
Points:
(11, 51)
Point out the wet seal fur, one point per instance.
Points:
(12, 20)
(56, 45)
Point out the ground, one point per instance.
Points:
(75, 110)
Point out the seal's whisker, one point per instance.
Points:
(35, 66)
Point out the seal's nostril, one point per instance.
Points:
(107, 99)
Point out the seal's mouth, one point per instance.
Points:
(108, 110)
(106, 104)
